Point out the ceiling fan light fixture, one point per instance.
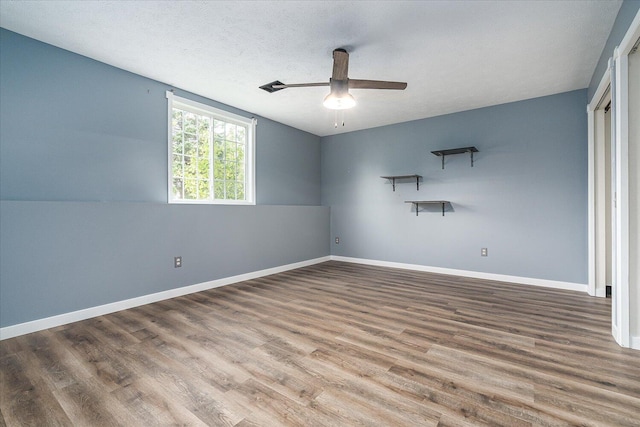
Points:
(340, 101)
(339, 97)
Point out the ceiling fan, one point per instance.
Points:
(339, 97)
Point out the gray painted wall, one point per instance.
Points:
(288, 165)
(525, 199)
(77, 129)
(626, 14)
(59, 257)
(83, 183)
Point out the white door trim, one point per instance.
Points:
(596, 169)
(622, 197)
(591, 204)
(621, 308)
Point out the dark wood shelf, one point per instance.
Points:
(448, 152)
(417, 203)
(394, 177)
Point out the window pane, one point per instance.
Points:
(203, 168)
(218, 169)
(230, 173)
(203, 144)
(190, 189)
(240, 172)
(240, 152)
(177, 143)
(176, 166)
(240, 190)
(190, 123)
(218, 189)
(177, 188)
(190, 145)
(203, 189)
(230, 150)
(230, 132)
(218, 129)
(219, 150)
(204, 124)
(188, 162)
(242, 134)
(231, 190)
(176, 119)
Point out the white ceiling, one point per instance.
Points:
(455, 55)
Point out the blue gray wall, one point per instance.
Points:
(59, 257)
(525, 199)
(77, 129)
(626, 14)
(83, 189)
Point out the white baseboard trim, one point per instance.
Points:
(570, 286)
(616, 335)
(87, 313)
(635, 342)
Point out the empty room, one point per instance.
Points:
(319, 213)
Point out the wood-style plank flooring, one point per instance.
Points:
(333, 344)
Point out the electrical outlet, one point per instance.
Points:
(337, 240)
(177, 262)
(484, 252)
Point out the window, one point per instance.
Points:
(210, 154)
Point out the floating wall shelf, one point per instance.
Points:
(417, 203)
(394, 177)
(443, 153)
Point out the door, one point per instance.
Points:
(613, 235)
(634, 195)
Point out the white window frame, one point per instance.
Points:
(216, 113)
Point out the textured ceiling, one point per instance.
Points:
(455, 55)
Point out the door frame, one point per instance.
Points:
(621, 301)
(596, 171)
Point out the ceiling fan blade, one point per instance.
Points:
(278, 85)
(303, 84)
(376, 84)
(340, 64)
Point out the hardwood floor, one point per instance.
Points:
(333, 344)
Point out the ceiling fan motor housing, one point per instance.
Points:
(339, 87)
